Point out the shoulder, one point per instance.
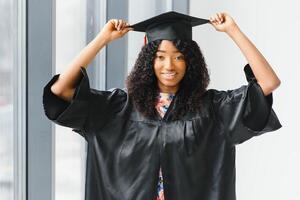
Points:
(112, 91)
(113, 94)
(113, 100)
(216, 95)
(106, 106)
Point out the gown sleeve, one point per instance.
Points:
(89, 108)
(245, 112)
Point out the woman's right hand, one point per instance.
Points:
(114, 29)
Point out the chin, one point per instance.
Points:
(168, 84)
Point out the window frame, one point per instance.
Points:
(19, 103)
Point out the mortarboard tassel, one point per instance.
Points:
(145, 40)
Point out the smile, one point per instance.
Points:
(169, 75)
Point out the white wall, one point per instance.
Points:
(268, 165)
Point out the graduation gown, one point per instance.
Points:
(196, 152)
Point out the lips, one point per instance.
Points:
(169, 75)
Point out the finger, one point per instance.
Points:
(213, 22)
(220, 17)
(126, 25)
(129, 28)
(125, 30)
(123, 24)
(116, 22)
(119, 24)
(216, 18)
(212, 19)
(113, 22)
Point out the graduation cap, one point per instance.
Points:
(170, 25)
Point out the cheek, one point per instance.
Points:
(183, 70)
(156, 69)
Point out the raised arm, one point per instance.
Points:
(65, 86)
(264, 74)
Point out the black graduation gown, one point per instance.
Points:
(196, 153)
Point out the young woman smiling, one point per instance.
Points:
(165, 136)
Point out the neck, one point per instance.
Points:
(169, 90)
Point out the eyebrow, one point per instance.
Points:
(165, 51)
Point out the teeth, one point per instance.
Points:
(170, 73)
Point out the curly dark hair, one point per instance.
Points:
(142, 84)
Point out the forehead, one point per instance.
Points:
(167, 46)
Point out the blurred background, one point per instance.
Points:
(40, 160)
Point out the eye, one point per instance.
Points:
(160, 57)
(181, 57)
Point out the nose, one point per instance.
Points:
(168, 64)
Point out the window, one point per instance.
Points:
(7, 55)
(69, 146)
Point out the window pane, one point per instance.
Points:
(69, 146)
(8, 29)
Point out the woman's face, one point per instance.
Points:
(169, 67)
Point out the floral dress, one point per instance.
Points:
(162, 106)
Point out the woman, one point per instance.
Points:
(165, 136)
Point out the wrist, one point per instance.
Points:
(232, 30)
(103, 38)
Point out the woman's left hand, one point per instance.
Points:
(222, 22)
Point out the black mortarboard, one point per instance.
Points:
(169, 26)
